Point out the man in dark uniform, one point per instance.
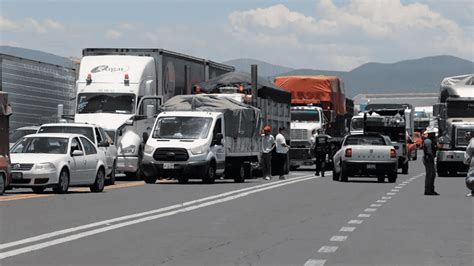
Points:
(429, 153)
(321, 150)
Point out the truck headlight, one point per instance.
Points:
(45, 167)
(199, 150)
(129, 149)
(149, 149)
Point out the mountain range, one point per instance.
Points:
(416, 75)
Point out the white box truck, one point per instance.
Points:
(122, 89)
(203, 137)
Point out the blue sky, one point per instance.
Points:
(319, 34)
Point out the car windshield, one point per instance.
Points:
(365, 140)
(182, 127)
(123, 103)
(305, 115)
(85, 131)
(357, 123)
(420, 114)
(48, 145)
(20, 133)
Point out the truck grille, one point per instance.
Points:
(21, 166)
(299, 134)
(170, 154)
(460, 136)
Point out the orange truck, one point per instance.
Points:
(326, 92)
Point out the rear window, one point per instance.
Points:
(365, 140)
(85, 131)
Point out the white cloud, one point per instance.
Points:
(30, 24)
(126, 26)
(7, 24)
(113, 34)
(382, 26)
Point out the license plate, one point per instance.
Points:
(371, 166)
(168, 166)
(17, 175)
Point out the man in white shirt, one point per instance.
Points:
(268, 143)
(281, 151)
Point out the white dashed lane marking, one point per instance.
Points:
(327, 249)
(381, 201)
(370, 209)
(355, 222)
(347, 229)
(386, 198)
(391, 194)
(395, 190)
(312, 262)
(363, 215)
(338, 238)
(375, 205)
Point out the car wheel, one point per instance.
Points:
(63, 184)
(393, 178)
(2, 184)
(343, 174)
(335, 175)
(149, 179)
(99, 183)
(210, 175)
(240, 175)
(405, 168)
(38, 190)
(111, 179)
(183, 179)
(380, 178)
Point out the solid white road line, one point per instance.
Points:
(313, 262)
(347, 229)
(327, 249)
(338, 238)
(136, 215)
(69, 238)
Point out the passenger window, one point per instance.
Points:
(217, 128)
(88, 146)
(99, 137)
(76, 145)
(106, 136)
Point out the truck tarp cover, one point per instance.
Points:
(457, 86)
(266, 89)
(314, 90)
(241, 120)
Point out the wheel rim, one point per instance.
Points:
(2, 184)
(242, 171)
(100, 179)
(63, 181)
(211, 172)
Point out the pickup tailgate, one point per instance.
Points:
(370, 153)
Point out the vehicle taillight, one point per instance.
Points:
(393, 153)
(126, 79)
(349, 152)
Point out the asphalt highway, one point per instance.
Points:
(303, 220)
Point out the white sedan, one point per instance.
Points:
(364, 155)
(57, 160)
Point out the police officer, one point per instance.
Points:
(469, 160)
(429, 153)
(321, 150)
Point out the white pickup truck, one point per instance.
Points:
(366, 154)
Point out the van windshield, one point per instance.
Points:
(123, 103)
(182, 127)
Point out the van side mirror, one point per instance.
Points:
(218, 139)
(129, 122)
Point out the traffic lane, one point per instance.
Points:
(278, 227)
(413, 229)
(30, 217)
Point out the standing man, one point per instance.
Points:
(281, 151)
(321, 150)
(469, 160)
(268, 143)
(429, 151)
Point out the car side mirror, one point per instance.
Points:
(77, 153)
(104, 144)
(218, 139)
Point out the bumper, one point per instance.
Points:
(29, 179)
(127, 164)
(192, 170)
(369, 168)
(450, 156)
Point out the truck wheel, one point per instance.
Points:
(393, 177)
(239, 175)
(210, 175)
(111, 179)
(380, 178)
(183, 179)
(405, 168)
(63, 184)
(2, 184)
(149, 179)
(99, 182)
